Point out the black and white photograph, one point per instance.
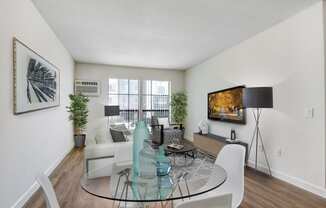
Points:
(36, 81)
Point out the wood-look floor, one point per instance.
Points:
(260, 191)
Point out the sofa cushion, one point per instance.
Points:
(102, 136)
(99, 150)
(117, 136)
(121, 127)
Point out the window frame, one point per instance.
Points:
(140, 110)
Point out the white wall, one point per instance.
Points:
(289, 57)
(33, 142)
(104, 72)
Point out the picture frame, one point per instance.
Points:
(36, 80)
(227, 105)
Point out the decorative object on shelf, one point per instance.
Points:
(141, 134)
(203, 127)
(233, 136)
(36, 80)
(78, 114)
(258, 98)
(179, 107)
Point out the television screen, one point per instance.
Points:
(226, 105)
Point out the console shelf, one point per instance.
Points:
(212, 144)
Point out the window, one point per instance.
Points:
(155, 98)
(140, 99)
(124, 92)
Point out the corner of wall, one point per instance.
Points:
(324, 63)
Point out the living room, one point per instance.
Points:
(141, 56)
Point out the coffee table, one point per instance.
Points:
(188, 150)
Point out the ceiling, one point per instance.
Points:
(167, 34)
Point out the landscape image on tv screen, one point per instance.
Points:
(226, 105)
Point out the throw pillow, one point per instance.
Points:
(121, 127)
(117, 136)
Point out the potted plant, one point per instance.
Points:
(78, 114)
(179, 107)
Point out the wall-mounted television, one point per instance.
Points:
(226, 105)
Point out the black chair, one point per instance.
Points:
(161, 135)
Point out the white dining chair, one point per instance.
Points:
(222, 201)
(232, 159)
(49, 194)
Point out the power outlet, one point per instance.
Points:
(309, 113)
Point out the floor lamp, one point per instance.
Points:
(258, 98)
(111, 110)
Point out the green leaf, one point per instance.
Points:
(179, 107)
(78, 110)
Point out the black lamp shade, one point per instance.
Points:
(258, 97)
(111, 110)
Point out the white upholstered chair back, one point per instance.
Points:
(232, 159)
(222, 201)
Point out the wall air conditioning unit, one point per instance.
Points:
(87, 88)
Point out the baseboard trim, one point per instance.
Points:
(35, 186)
(298, 182)
(317, 190)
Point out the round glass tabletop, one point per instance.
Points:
(199, 177)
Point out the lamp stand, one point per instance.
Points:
(256, 137)
(109, 123)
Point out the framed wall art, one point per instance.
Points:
(36, 80)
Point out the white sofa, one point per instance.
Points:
(101, 153)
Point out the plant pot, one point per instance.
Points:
(79, 140)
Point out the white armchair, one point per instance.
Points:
(101, 153)
(100, 158)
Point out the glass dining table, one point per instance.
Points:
(128, 190)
